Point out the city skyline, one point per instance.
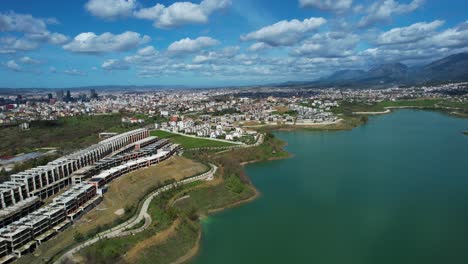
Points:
(217, 42)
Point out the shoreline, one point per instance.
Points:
(373, 113)
(193, 252)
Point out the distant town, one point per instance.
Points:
(214, 113)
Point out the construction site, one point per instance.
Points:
(38, 203)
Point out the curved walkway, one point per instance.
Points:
(125, 228)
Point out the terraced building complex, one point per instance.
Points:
(23, 226)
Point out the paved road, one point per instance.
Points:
(125, 228)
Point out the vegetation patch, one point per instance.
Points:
(190, 142)
(67, 134)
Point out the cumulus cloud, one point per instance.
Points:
(327, 5)
(147, 51)
(419, 43)
(328, 45)
(91, 43)
(409, 34)
(181, 13)
(258, 47)
(24, 44)
(29, 60)
(456, 37)
(383, 10)
(217, 57)
(21, 23)
(12, 65)
(188, 45)
(285, 33)
(111, 9)
(57, 38)
(32, 32)
(75, 72)
(115, 65)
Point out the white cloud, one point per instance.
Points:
(328, 45)
(327, 5)
(24, 44)
(150, 13)
(75, 72)
(29, 60)
(147, 51)
(115, 65)
(285, 33)
(383, 10)
(12, 65)
(21, 23)
(456, 37)
(57, 39)
(111, 9)
(258, 47)
(33, 32)
(419, 43)
(89, 42)
(217, 57)
(188, 45)
(409, 34)
(181, 13)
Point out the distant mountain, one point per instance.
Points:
(347, 75)
(451, 68)
(393, 71)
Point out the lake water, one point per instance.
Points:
(393, 191)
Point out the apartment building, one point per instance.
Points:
(44, 181)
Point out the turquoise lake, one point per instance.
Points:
(392, 191)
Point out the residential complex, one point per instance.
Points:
(24, 224)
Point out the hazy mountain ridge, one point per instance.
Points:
(451, 68)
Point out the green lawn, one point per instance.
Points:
(189, 142)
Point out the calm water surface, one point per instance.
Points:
(393, 191)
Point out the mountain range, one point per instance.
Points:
(453, 68)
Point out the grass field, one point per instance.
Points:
(66, 134)
(189, 142)
(124, 193)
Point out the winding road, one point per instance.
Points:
(125, 228)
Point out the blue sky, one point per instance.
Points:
(56, 43)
